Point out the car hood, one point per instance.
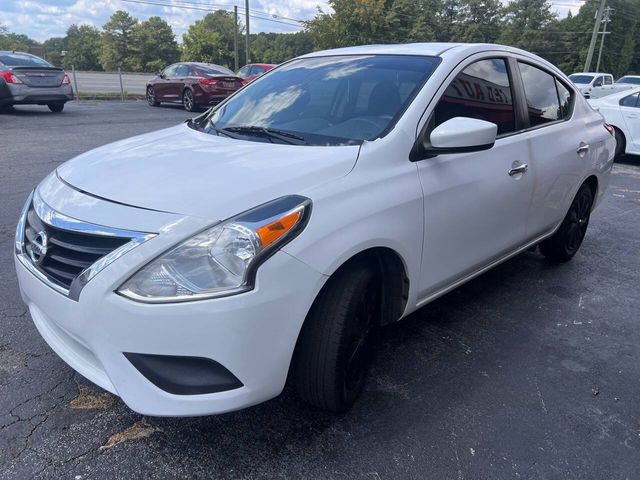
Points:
(180, 170)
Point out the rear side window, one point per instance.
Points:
(483, 91)
(630, 101)
(540, 91)
(22, 60)
(608, 80)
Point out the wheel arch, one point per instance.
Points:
(592, 182)
(391, 270)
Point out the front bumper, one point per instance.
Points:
(20, 94)
(252, 334)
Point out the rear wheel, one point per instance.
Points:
(621, 143)
(187, 101)
(335, 348)
(563, 245)
(56, 107)
(151, 97)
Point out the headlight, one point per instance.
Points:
(221, 260)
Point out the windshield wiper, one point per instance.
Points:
(211, 128)
(271, 133)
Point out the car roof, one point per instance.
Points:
(426, 49)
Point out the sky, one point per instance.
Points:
(42, 19)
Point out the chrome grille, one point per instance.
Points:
(62, 255)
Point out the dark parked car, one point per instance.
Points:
(251, 71)
(192, 84)
(27, 79)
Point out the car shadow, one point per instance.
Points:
(415, 362)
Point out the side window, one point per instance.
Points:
(182, 71)
(540, 91)
(630, 101)
(608, 80)
(483, 91)
(257, 70)
(564, 94)
(598, 82)
(244, 71)
(170, 71)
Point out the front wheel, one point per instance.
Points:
(335, 348)
(151, 97)
(564, 244)
(56, 107)
(187, 101)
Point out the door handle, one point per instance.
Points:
(518, 169)
(582, 150)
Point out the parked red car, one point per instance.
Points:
(192, 84)
(251, 71)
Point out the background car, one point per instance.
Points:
(588, 81)
(629, 80)
(27, 79)
(193, 84)
(251, 71)
(622, 111)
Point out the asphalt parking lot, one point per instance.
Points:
(529, 371)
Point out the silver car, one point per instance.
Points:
(29, 80)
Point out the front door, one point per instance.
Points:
(475, 204)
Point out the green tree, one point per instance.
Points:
(118, 42)
(53, 48)
(354, 22)
(14, 41)
(83, 45)
(525, 24)
(479, 21)
(155, 45)
(210, 39)
(278, 47)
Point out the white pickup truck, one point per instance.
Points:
(596, 85)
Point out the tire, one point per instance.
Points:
(151, 97)
(335, 347)
(564, 244)
(621, 144)
(187, 100)
(56, 107)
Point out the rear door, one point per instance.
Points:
(559, 145)
(630, 110)
(475, 204)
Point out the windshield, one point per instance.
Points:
(22, 60)
(631, 80)
(333, 100)
(579, 78)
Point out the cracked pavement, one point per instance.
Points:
(495, 380)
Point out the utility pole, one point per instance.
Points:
(235, 37)
(246, 11)
(606, 19)
(594, 36)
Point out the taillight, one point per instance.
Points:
(66, 80)
(208, 81)
(610, 129)
(10, 77)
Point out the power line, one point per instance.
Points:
(209, 9)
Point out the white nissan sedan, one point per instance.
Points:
(193, 270)
(622, 111)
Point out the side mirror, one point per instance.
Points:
(160, 74)
(459, 135)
